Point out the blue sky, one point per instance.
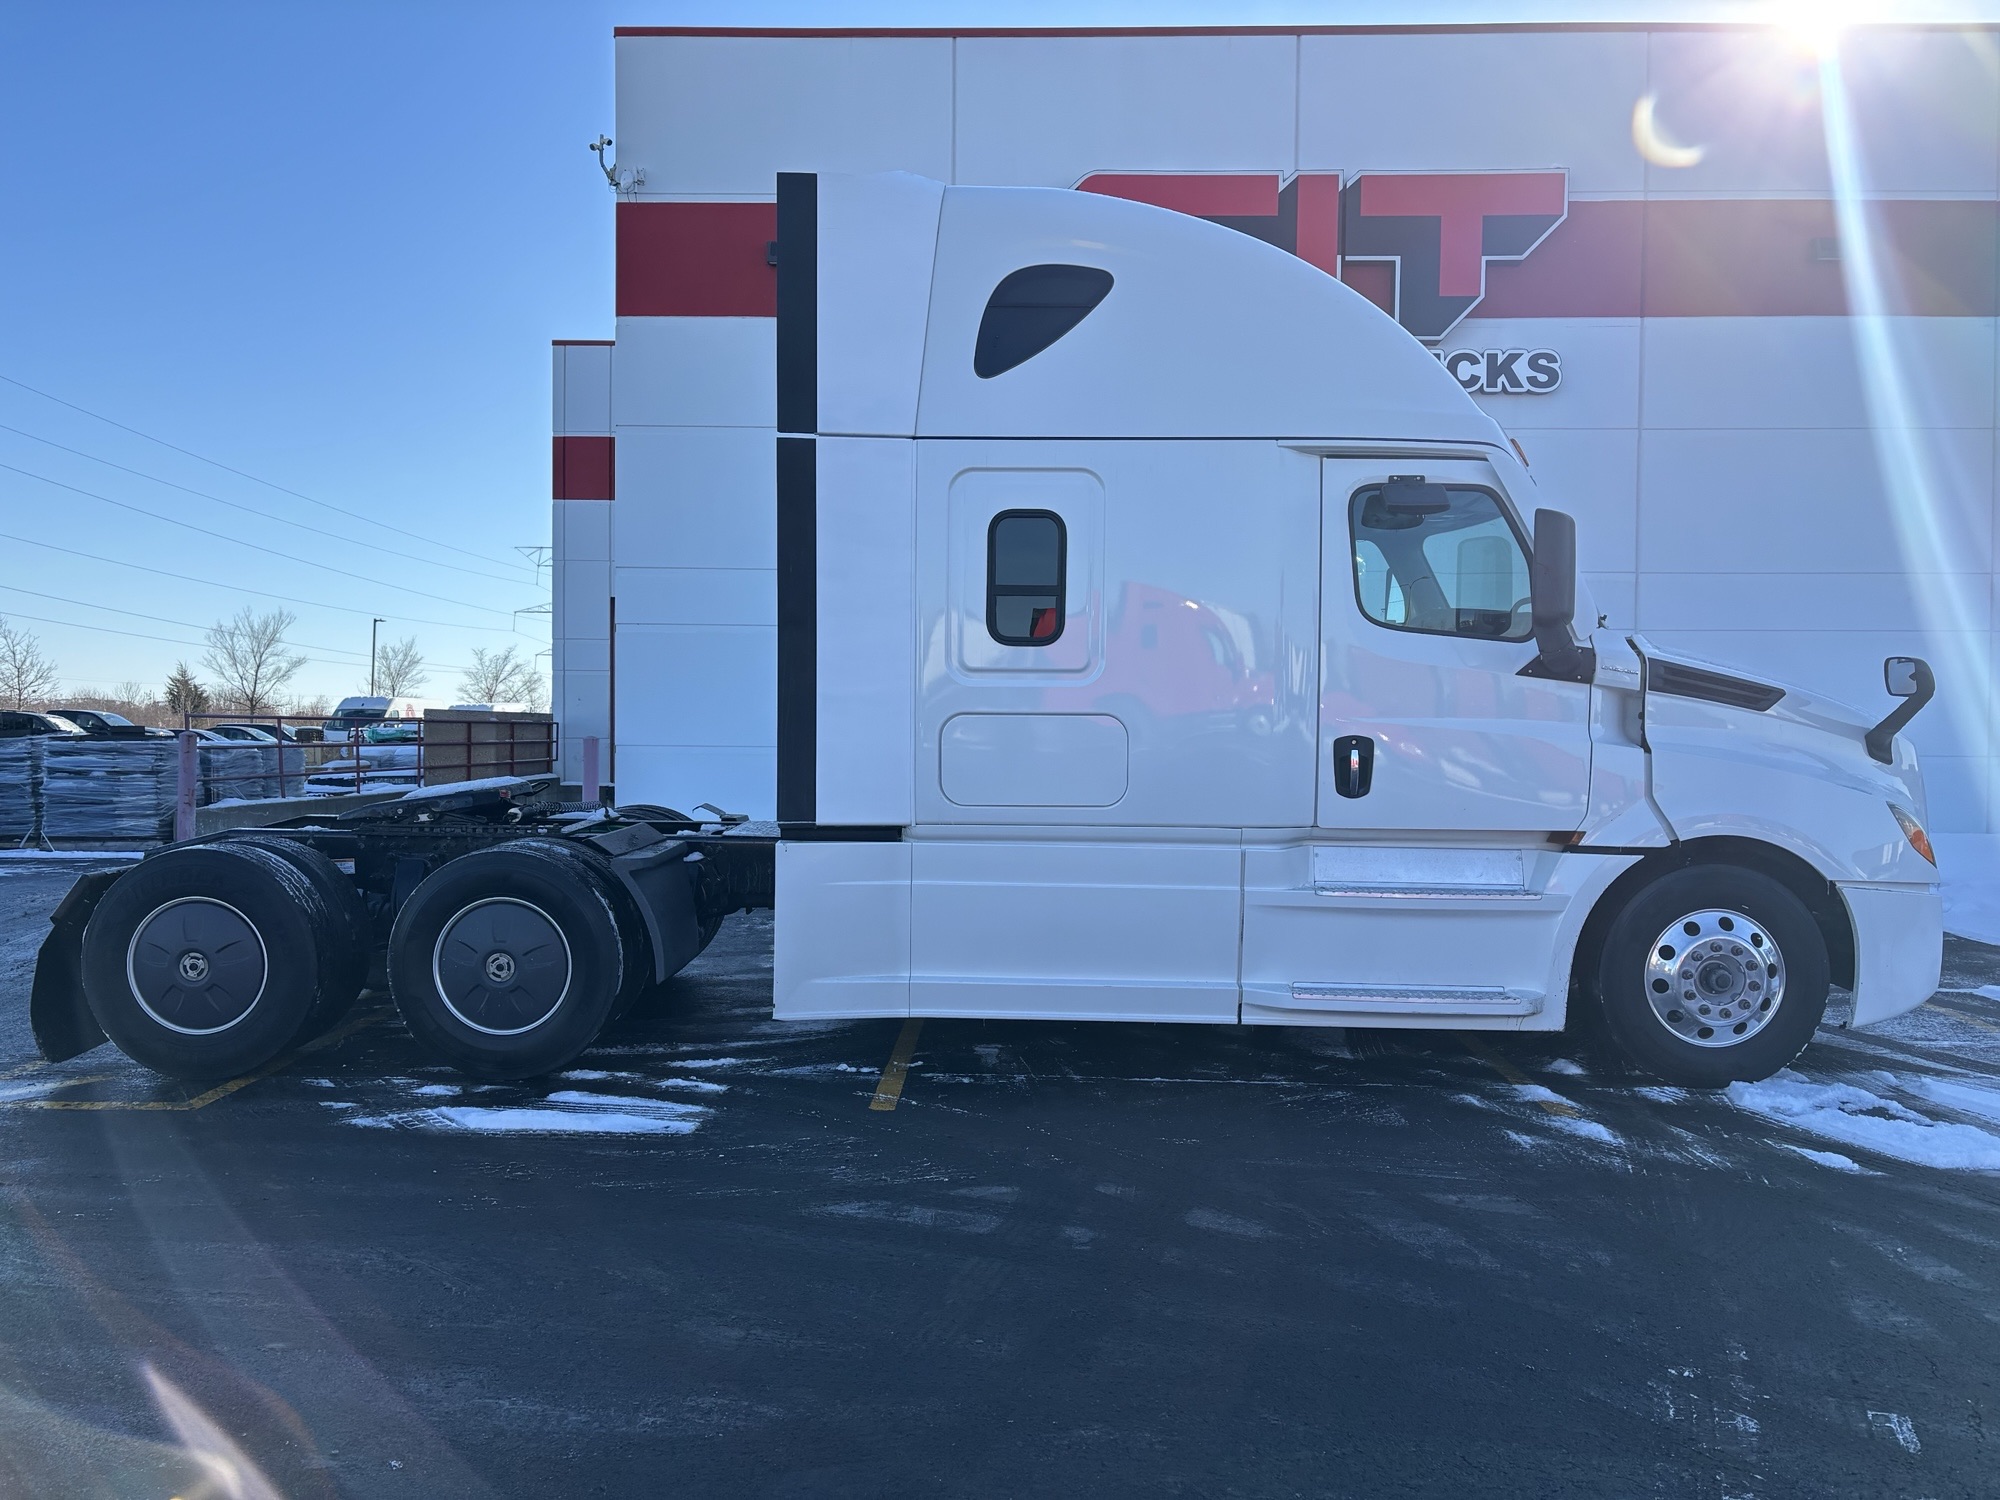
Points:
(327, 245)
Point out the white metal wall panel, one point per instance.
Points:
(866, 554)
(1047, 111)
(736, 778)
(1807, 372)
(684, 685)
(1757, 500)
(1484, 102)
(720, 116)
(697, 497)
(580, 624)
(695, 372)
(696, 596)
(582, 390)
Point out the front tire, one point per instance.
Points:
(507, 963)
(1713, 975)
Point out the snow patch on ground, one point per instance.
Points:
(1534, 1093)
(1585, 1129)
(1967, 1098)
(565, 1112)
(1565, 1066)
(1832, 1159)
(1852, 1116)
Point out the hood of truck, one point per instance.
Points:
(1739, 753)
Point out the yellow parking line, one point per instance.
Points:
(890, 1086)
(221, 1090)
(1515, 1076)
(24, 1069)
(1956, 1014)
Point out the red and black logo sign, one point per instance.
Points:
(1432, 233)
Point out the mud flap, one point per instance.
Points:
(60, 1016)
(660, 880)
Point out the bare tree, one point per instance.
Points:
(249, 658)
(502, 676)
(399, 669)
(25, 673)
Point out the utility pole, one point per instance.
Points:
(378, 620)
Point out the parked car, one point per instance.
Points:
(103, 723)
(20, 723)
(256, 734)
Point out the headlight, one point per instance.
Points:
(1914, 832)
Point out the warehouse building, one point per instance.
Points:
(1733, 292)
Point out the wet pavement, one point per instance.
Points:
(728, 1256)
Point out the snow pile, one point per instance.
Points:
(1852, 1116)
(566, 1112)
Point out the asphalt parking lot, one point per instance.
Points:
(728, 1256)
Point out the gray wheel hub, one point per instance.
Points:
(1715, 978)
(502, 966)
(197, 965)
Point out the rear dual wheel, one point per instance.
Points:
(508, 962)
(208, 960)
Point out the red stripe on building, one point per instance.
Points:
(1217, 195)
(585, 468)
(1618, 258)
(1749, 257)
(696, 260)
(1588, 267)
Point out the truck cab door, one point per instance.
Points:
(1426, 721)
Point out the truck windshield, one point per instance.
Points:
(1456, 570)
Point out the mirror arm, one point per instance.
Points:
(1881, 740)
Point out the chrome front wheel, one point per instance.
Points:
(1715, 978)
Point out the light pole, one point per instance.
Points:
(378, 620)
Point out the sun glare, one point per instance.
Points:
(1817, 25)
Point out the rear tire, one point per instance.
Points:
(342, 923)
(507, 962)
(1712, 975)
(203, 962)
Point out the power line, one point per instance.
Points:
(253, 511)
(141, 636)
(240, 588)
(354, 515)
(361, 656)
(224, 536)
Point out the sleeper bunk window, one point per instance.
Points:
(1025, 554)
(1030, 309)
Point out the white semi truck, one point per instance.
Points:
(1163, 635)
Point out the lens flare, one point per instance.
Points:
(1933, 549)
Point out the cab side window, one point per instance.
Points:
(1439, 559)
(1025, 555)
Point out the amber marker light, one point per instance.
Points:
(1914, 832)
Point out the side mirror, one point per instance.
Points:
(1552, 584)
(1909, 678)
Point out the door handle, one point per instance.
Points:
(1353, 765)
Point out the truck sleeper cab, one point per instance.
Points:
(1162, 635)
